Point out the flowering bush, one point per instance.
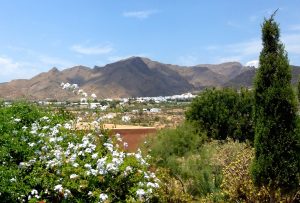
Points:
(43, 158)
(237, 183)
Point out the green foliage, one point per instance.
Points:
(202, 177)
(13, 146)
(180, 141)
(298, 88)
(43, 158)
(223, 113)
(183, 152)
(237, 182)
(277, 149)
(171, 189)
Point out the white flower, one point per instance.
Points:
(59, 139)
(23, 164)
(90, 193)
(67, 193)
(31, 144)
(88, 150)
(75, 165)
(154, 185)
(109, 146)
(140, 193)
(45, 118)
(111, 167)
(34, 192)
(17, 120)
(73, 157)
(58, 188)
(70, 145)
(73, 176)
(52, 139)
(94, 172)
(88, 166)
(94, 96)
(126, 118)
(68, 126)
(138, 156)
(54, 131)
(94, 156)
(103, 197)
(128, 169)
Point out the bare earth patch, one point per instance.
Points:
(133, 135)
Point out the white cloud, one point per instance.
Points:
(253, 63)
(139, 14)
(41, 59)
(243, 49)
(11, 69)
(92, 50)
(292, 43)
(241, 52)
(8, 65)
(247, 51)
(29, 64)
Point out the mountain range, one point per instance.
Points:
(132, 77)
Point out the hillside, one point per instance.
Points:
(132, 77)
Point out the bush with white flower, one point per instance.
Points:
(44, 159)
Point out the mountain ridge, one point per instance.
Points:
(132, 77)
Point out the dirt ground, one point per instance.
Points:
(133, 135)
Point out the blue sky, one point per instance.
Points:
(37, 35)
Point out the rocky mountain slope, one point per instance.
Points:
(132, 77)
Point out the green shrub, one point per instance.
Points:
(223, 113)
(177, 142)
(171, 188)
(184, 153)
(277, 139)
(237, 184)
(44, 159)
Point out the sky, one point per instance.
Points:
(37, 35)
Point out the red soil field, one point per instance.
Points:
(134, 137)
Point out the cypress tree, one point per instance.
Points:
(298, 88)
(276, 162)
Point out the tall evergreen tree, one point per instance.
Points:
(298, 88)
(276, 162)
